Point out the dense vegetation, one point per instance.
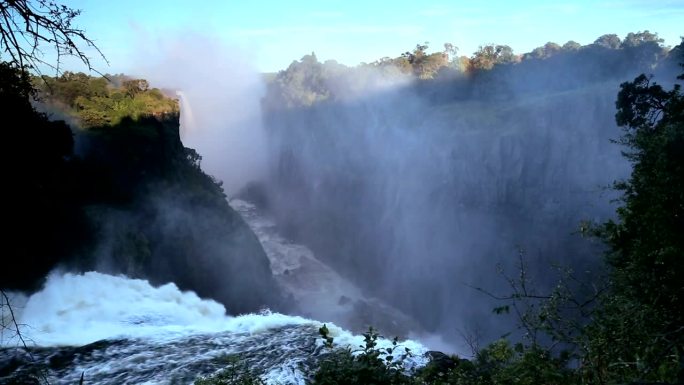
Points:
(100, 101)
(492, 71)
(638, 331)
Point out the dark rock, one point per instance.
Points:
(440, 361)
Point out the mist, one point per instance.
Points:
(418, 192)
(219, 92)
(423, 192)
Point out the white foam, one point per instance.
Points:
(77, 309)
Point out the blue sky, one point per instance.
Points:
(353, 31)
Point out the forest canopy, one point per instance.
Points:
(98, 101)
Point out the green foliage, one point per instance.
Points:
(370, 365)
(307, 82)
(235, 373)
(486, 57)
(636, 39)
(422, 64)
(497, 364)
(571, 45)
(549, 49)
(302, 84)
(639, 333)
(325, 334)
(500, 363)
(633, 330)
(610, 41)
(97, 101)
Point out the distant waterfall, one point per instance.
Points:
(187, 119)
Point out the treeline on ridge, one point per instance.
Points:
(493, 71)
(100, 101)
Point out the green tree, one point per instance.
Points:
(610, 40)
(544, 52)
(644, 48)
(135, 86)
(636, 39)
(639, 334)
(571, 45)
(486, 57)
(372, 364)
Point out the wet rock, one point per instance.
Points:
(440, 361)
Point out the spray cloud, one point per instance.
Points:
(219, 93)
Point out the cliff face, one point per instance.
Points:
(416, 200)
(418, 189)
(172, 221)
(133, 200)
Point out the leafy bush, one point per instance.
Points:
(98, 101)
(236, 373)
(371, 365)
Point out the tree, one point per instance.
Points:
(639, 333)
(610, 41)
(135, 86)
(27, 27)
(571, 45)
(419, 52)
(450, 50)
(644, 48)
(546, 51)
(488, 56)
(639, 38)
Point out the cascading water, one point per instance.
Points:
(119, 330)
(114, 330)
(187, 119)
(320, 292)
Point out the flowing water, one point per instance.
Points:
(320, 292)
(118, 330)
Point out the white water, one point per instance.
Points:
(160, 334)
(323, 294)
(187, 119)
(81, 309)
(320, 291)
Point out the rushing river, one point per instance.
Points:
(117, 330)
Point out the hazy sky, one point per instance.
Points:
(352, 31)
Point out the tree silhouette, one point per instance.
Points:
(28, 27)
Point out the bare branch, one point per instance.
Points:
(15, 328)
(26, 26)
(14, 325)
